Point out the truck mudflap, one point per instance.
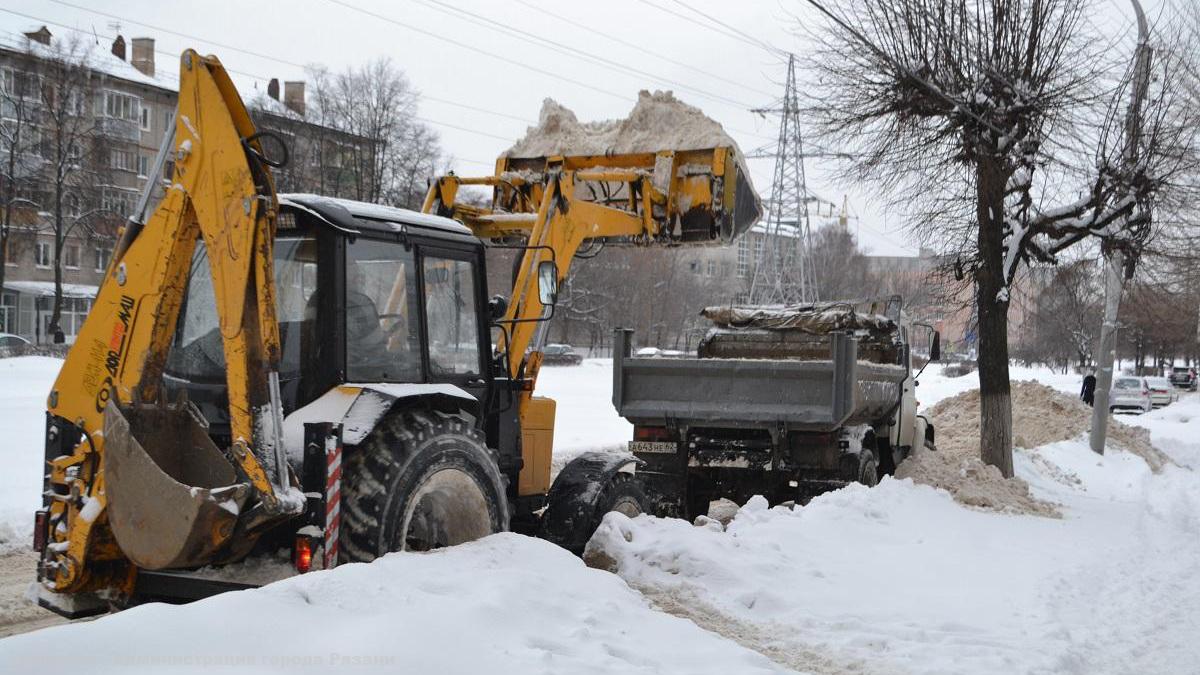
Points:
(571, 507)
(173, 499)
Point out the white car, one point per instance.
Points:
(10, 340)
(1161, 391)
(1130, 393)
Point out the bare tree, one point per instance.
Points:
(68, 138)
(980, 114)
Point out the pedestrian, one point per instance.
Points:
(1088, 394)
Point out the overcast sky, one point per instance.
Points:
(482, 87)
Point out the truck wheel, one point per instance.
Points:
(422, 480)
(867, 473)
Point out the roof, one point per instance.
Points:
(99, 56)
(46, 289)
(376, 217)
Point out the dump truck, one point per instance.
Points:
(267, 374)
(784, 402)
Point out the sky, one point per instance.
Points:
(483, 84)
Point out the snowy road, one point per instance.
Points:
(896, 579)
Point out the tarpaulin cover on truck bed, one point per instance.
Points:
(819, 319)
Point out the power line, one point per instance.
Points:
(708, 26)
(640, 48)
(570, 51)
(477, 50)
(748, 38)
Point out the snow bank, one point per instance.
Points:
(584, 417)
(505, 604)
(1174, 429)
(25, 382)
(898, 578)
(658, 121)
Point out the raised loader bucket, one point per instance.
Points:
(173, 499)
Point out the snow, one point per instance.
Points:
(380, 212)
(46, 289)
(900, 579)
(893, 579)
(25, 382)
(584, 417)
(98, 56)
(507, 604)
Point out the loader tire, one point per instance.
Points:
(422, 480)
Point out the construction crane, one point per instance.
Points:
(263, 372)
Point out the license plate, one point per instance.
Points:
(660, 447)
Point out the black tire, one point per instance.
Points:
(422, 480)
(868, 473)
(574, 513)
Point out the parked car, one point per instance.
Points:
(1130, 393)
(1161, 391)
(1184, 377)
(9, 340)
(559, 354)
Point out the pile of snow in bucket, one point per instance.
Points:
(658, 121)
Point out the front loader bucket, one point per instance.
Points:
(173, 497)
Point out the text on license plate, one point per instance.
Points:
(661, 447)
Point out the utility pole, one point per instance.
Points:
(1114, 276)
(783, 271)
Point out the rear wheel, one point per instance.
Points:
(422, 480)
(577, 504)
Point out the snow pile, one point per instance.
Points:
(1041, 415)
(26, 381)
(1174, 429)
(505, 604)
(658, 121)
(899, 579)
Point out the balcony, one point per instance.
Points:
(118, 129)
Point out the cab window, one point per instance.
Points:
(383, 337)
(451, 317)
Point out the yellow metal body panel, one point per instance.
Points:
(537, 444)
(122, 347)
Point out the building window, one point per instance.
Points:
(8, 312)
(122, 159)
(712, 268)
(43, 255)
(694, 266)
(121, 106)
(167, 114)
(145, 118)
(70, 256)
(102, 256)
(143, 166)
(758, 248)
(118, 201)
(743, 257)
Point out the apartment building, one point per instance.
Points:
(121, 103)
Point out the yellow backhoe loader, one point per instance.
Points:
(265, 372)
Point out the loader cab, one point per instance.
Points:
(364, 294)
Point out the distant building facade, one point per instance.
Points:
(127, 106)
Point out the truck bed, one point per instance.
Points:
(807, 394)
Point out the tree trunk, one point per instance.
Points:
(995, 423)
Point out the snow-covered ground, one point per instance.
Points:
(24, 384)
(893, 579)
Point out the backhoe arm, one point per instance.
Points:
(220, 193)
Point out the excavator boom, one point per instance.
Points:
(135, 480)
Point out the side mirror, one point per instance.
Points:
(547, 283)
(497, 307)
(935, 347)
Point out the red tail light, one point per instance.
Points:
(303, 553)
(651, 434)
(40, 530)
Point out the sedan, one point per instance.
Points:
(10, 340)
(1130, 393)
(1161, 391)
